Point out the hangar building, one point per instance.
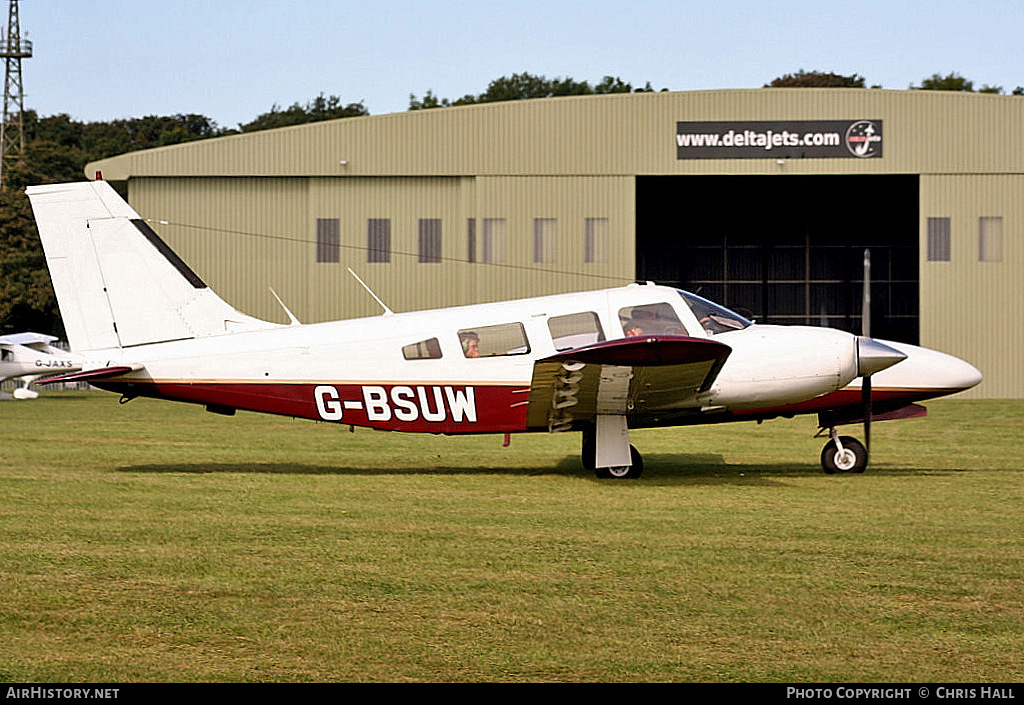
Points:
(763, 200)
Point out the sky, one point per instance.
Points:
(232, 60)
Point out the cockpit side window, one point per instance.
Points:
(428, 349)
(494, 341)
(575, 330)
(650, 319)
(714, 318)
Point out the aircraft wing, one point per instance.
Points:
(27, 339)
(628, 376)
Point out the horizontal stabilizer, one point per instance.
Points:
(624, 377)
(90, 375)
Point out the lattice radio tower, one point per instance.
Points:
(12, 130)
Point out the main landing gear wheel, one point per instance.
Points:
(849, 455)
(623, 472)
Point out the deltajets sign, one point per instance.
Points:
(598, 363)
(836, 139)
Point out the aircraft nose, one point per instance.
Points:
(961, 375)
(873, 356)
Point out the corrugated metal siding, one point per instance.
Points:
(246, 236)
(242, 236)
(404, 283)
(925, 132)
(243, 209)
(969, 308)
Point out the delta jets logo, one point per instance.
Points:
(864, 139)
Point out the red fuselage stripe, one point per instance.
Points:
(424, 408)
(434, 408)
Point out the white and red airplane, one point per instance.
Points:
(599, 362)
(30, 356)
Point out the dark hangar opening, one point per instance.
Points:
(787, 249)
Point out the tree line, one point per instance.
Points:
(57, 148)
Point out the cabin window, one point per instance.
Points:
(650, 319)
(423, 350)
(575, 330)
(494, 341)
(712, 317)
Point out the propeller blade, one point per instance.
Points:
(865, 331)
(866, 399)
(865, 308)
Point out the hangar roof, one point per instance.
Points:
(626, 134)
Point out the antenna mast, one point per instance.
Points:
(12, 129)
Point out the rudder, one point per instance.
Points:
(117, 283)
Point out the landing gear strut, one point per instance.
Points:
(615, 472)
(843, 454)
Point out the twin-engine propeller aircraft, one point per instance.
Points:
(599, 362)
(30, 356)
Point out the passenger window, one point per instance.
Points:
(575, 330)
(493, 341)
(650, 319)
(423, 350)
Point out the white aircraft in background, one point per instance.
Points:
(599, 362)
(30, 356)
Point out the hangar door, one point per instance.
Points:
(786, 249)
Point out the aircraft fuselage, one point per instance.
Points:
(357, 372)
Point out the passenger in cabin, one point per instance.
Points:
(641, 320)
(650, 319)
(470, 344)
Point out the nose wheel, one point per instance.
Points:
(843, 454)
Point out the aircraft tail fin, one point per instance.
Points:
(117, 283)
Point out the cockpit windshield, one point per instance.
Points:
(714, 318)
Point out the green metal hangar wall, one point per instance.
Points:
(763, 200)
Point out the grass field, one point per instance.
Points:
(155, 542)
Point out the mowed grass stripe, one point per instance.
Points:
(154, 542)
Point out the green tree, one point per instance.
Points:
(27, 302)
(956, 82)
(57, 148)
(951, 82)
(816, 79)
(527, 86)
(319, 109)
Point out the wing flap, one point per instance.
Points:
(628, 376)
